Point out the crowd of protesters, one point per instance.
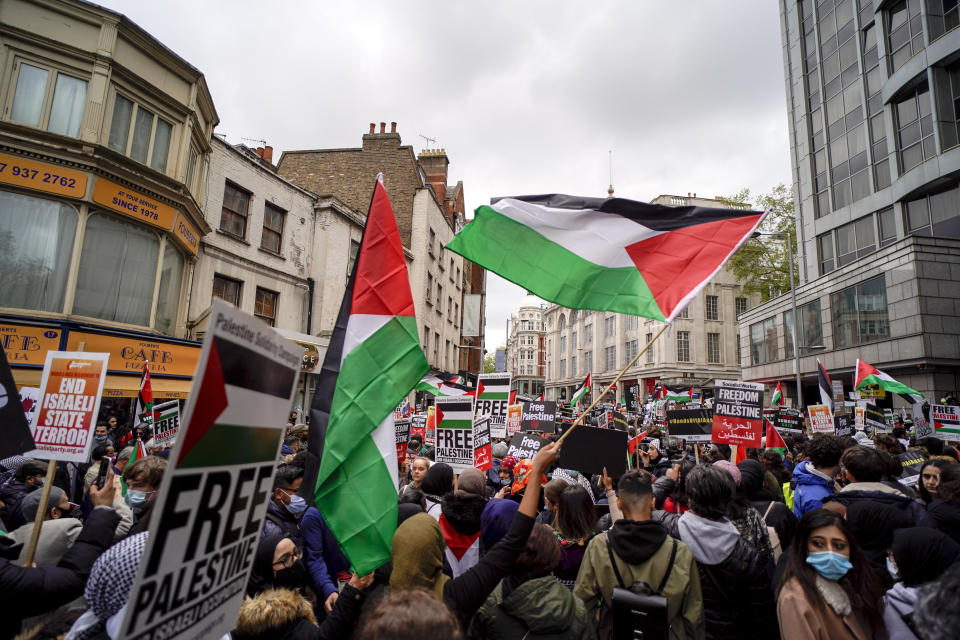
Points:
(830, 538)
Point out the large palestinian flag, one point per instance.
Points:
(825, 385)
(679, 394)
(777, 399)
(869, 375)
(605, 254)
(437, 386)
(582, 391)
(373, 361)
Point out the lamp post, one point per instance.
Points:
(796, 324)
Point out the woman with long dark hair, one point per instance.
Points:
(573, 527)
(828, 590)
(436, 483)
(929, 480)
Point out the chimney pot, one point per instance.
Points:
(688, 194)
(259, 151)
(383, 127)
(393, 127)
(373, 128)
(268, 154)
(694, 194)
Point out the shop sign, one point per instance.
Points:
(127, 354)
(41, 176)
(25, 344)
(133, 204)
(187, 234)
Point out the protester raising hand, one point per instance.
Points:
(104, 497)
(531, 495)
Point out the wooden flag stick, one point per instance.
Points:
(580, 418)
(41, 513)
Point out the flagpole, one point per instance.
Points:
(580, 418)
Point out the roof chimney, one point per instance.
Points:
(393, 127)
(383, 127)
(268, 154)
(373, 128)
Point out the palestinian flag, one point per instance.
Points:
(144, 414)
(540, 399)
(437, 386)
(139, 451)
(373, 361)
(777, 399)
(679, 395)
(869, 375)
(605, 254)
(462, 551)
(774, 440)
(582, 391)
(513, 397)
(826, 386)
(635, 441)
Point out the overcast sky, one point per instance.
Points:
(526, 97)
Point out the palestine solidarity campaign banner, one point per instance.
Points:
(493, 399)
(454, 418)
(213, 498)
(738, 413)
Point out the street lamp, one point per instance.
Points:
(793, 295)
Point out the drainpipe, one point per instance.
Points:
(310, 285)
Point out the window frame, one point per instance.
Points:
(245, 216)
(711, 359)
(281, 214)
(228, 279)
(715, 300)
(49, 91)
(131, 129)
(683, 346)
(858, 320)
(257, 305)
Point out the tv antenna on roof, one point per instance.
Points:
(262, 142)
(431, 141)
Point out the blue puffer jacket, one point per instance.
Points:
(809, 489)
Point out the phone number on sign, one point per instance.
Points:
(39, 176)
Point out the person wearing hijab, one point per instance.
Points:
(418, 546)
(278, 563)
(917, 556)
(495, 522)
(436, 483)
(460, 521)
(828, 590)
(775, 514)
(873, 525)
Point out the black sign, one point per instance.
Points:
(539, 416)
(15, 437)
(589, 450)
(617, 421)
(631, 395)
(789, 421)
(525, 445)
(401, 429)
(873, 417)
(692, 425)
(911, 462)
(843, 424)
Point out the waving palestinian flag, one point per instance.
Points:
(373, 361)
(582, 391)
(869, 375)
(144, 413)
(777, 399)
(679, 395)
(439, 387)
(605, 254)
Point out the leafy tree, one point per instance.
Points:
(490, 360)
(761, 265)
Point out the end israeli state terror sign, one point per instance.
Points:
(738, 413)
(493, 399)
(213, 498)
(454, 418)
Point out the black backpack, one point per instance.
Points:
(639, 612)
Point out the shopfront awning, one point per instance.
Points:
(129, 386)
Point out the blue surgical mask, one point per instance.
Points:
(100, 438)
(829, 564)
(297, 505)
(135, 498)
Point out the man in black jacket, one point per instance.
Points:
(737, 595)
(30, 591)
(29, 476)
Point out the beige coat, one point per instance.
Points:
(801, 620)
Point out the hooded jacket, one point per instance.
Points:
(537, 608)
(880, 493)
(873, 524)
(737, 595)
(943, 516)
(642, 552)
(809, 489)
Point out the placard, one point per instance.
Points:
(514, 418)
(859, 418)
(873, 417)
(922, 427)
(946, 421)
(692, 425)
(526, 445)
(482, 451)
(401, 433)
(617, 421)
(837, 391)
(454, 418)
(418, 426)
(788, 421)
(493, 400)
(821, 419)
(213, 498)
(738, 413)
(539, 416)
(430, 436)
(167, 422)
(70, 391)
(589, 450)
(843, 425)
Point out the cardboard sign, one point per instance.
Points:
(859, 418)
(692, 425)
(514, 418)
(837, 391)
(70, 392)
(946, 421)
(493, 401)
(482, 451)
(873, 417)
(401, 433)
(922, 427)
(889, 420)
(590, 449)
(603, 420)
(430, 436)
(167, 424)
(539, 416)
(738, 413)
(821, 419)
(213, 497)
(843, 425)
(29, 400)
(526, 445)
(418, 426)
(454, 418)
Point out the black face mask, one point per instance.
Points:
(293, 577)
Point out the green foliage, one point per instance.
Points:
(490, 361)
(761, 265)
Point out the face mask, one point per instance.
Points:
(297, 505)
(136, 499)
(829, 564)
(893, 569)
(293, 577)
(100, 438)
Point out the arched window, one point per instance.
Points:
(118, 268)
(573, 317)
(36, 243)
(562, 322)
